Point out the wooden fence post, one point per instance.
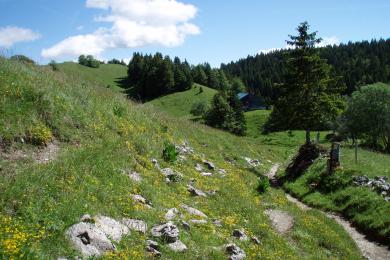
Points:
(334, 158)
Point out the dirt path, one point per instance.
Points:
(369, 249)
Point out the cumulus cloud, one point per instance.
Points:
(11, 34)
(134, 23)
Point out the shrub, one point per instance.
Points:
(54, 66)
(263, 184)
(368, 115)
(39, 134)
(198, 108)
(22, 58)
(169, 152)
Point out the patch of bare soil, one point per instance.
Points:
(47, 153)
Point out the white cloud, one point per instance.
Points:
(80, 28)
(11, 34)
(134, 23)
(333, 40)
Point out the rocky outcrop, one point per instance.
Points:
(193, 211)
(112, 228)
(239, 234)
(141, 200)
(280, 220)
(196, 192)
(379, 184)
(135, 225)
(169, 233)
(235, 252)
(89, 239)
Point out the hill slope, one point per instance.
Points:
(105, 75)
(179, 104)
(100, 137)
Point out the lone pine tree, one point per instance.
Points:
(310, 96)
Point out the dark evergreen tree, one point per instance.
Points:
(310, 95)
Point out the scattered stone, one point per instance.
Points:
(168, 231)
(235, 252)
(199, 167)
(240, 234)
(212, 192)
(222, 171)
(87, 219)
(252, 162)
(379, 184)
(156, 164)
(171, 175)
(136, 225)
(89, 240)
(196, 192)
(171, 214)
(177, 246)
(198, 221)
(184, 148)
(209, 165)
(280, 220)
(112, 228)
(140, 199)
(206, 174)
(135, 176)
(217, 223)
(185, 225)
(153, 248)
(255, 240)
(193, 211)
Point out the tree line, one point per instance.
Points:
(358, 64)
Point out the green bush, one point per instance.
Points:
(39, 134)
(263, 184)
(54, 65)
(169, 152)
(198, 108)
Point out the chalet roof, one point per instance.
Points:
(241, 95)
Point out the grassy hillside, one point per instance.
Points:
(105, 75)
(99, 133)
(179, 104)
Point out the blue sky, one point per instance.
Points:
(200, 30)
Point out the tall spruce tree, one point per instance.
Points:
(309, 97)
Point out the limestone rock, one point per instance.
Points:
(199, 167)
(195, 192)
(168, 231)
(255, 240)
(140, 199)
(171, 214)
(177, 246)
(252, 162)
(206, 174)
(240, 234)
(112, 228)
(136, 225)
(198, 221)
(217, 223)
(185, 225)
(89, 240)
(209, 165)
(87, 219)
(184, 148)
(193, 211)
(171, 175)
(135, 176)
(153, 248)
(235, 252)
(280, 220)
